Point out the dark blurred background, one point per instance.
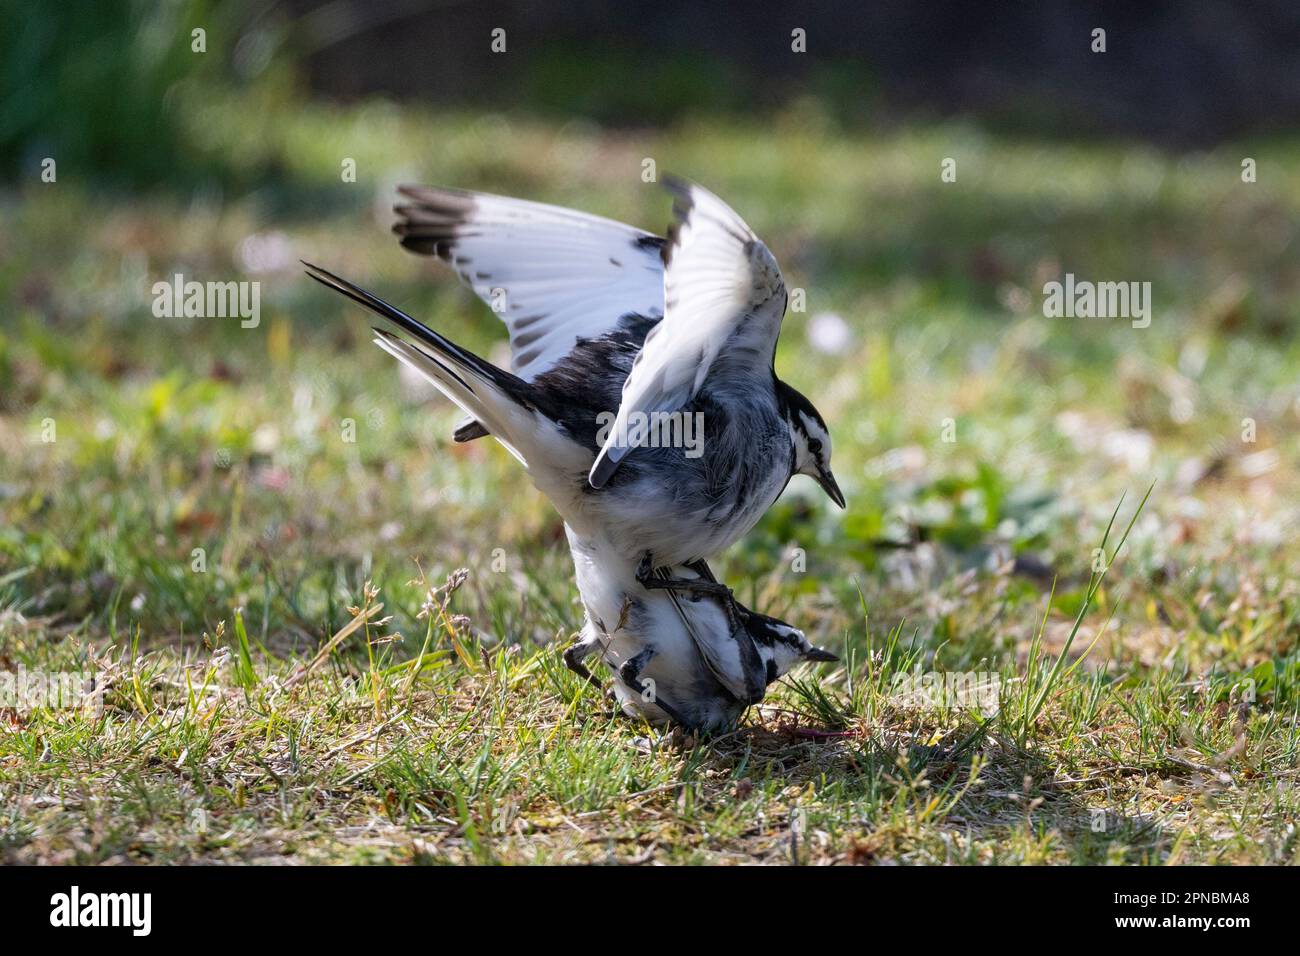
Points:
(1190, 72)
(104, 80)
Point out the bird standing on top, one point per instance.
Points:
(606, 322)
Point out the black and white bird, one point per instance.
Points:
(609, 323)
(689, 660)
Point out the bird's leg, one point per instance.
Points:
(630, 670)
(630, 673)
(574, 655)
(701, 567)
(646, 576)
(738, 611)
(705, 584)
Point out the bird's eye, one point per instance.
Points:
(815, 445)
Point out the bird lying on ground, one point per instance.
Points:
(686, 327)
(692, 660)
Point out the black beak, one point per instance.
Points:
(820, 653)
(829, 485)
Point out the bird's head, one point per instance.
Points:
(781, 646)
(812, 443)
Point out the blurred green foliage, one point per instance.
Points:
(96, 85)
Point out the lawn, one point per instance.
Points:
(253, 538)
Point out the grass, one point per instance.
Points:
(293, 666)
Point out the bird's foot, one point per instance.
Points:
(573, 657)
(705, 585)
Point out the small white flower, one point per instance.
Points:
(266, 252)
(829, 333)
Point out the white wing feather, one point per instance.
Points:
(551, 274)
(718, 277)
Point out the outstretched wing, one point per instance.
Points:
(553, 275)
(722, 290)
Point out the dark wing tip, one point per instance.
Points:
(672, 241)
(434, 219)
(683, 191)
(435, 194)
(683, 204)
(600, 473)
(677, 185)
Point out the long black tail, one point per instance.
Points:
(440, 344)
